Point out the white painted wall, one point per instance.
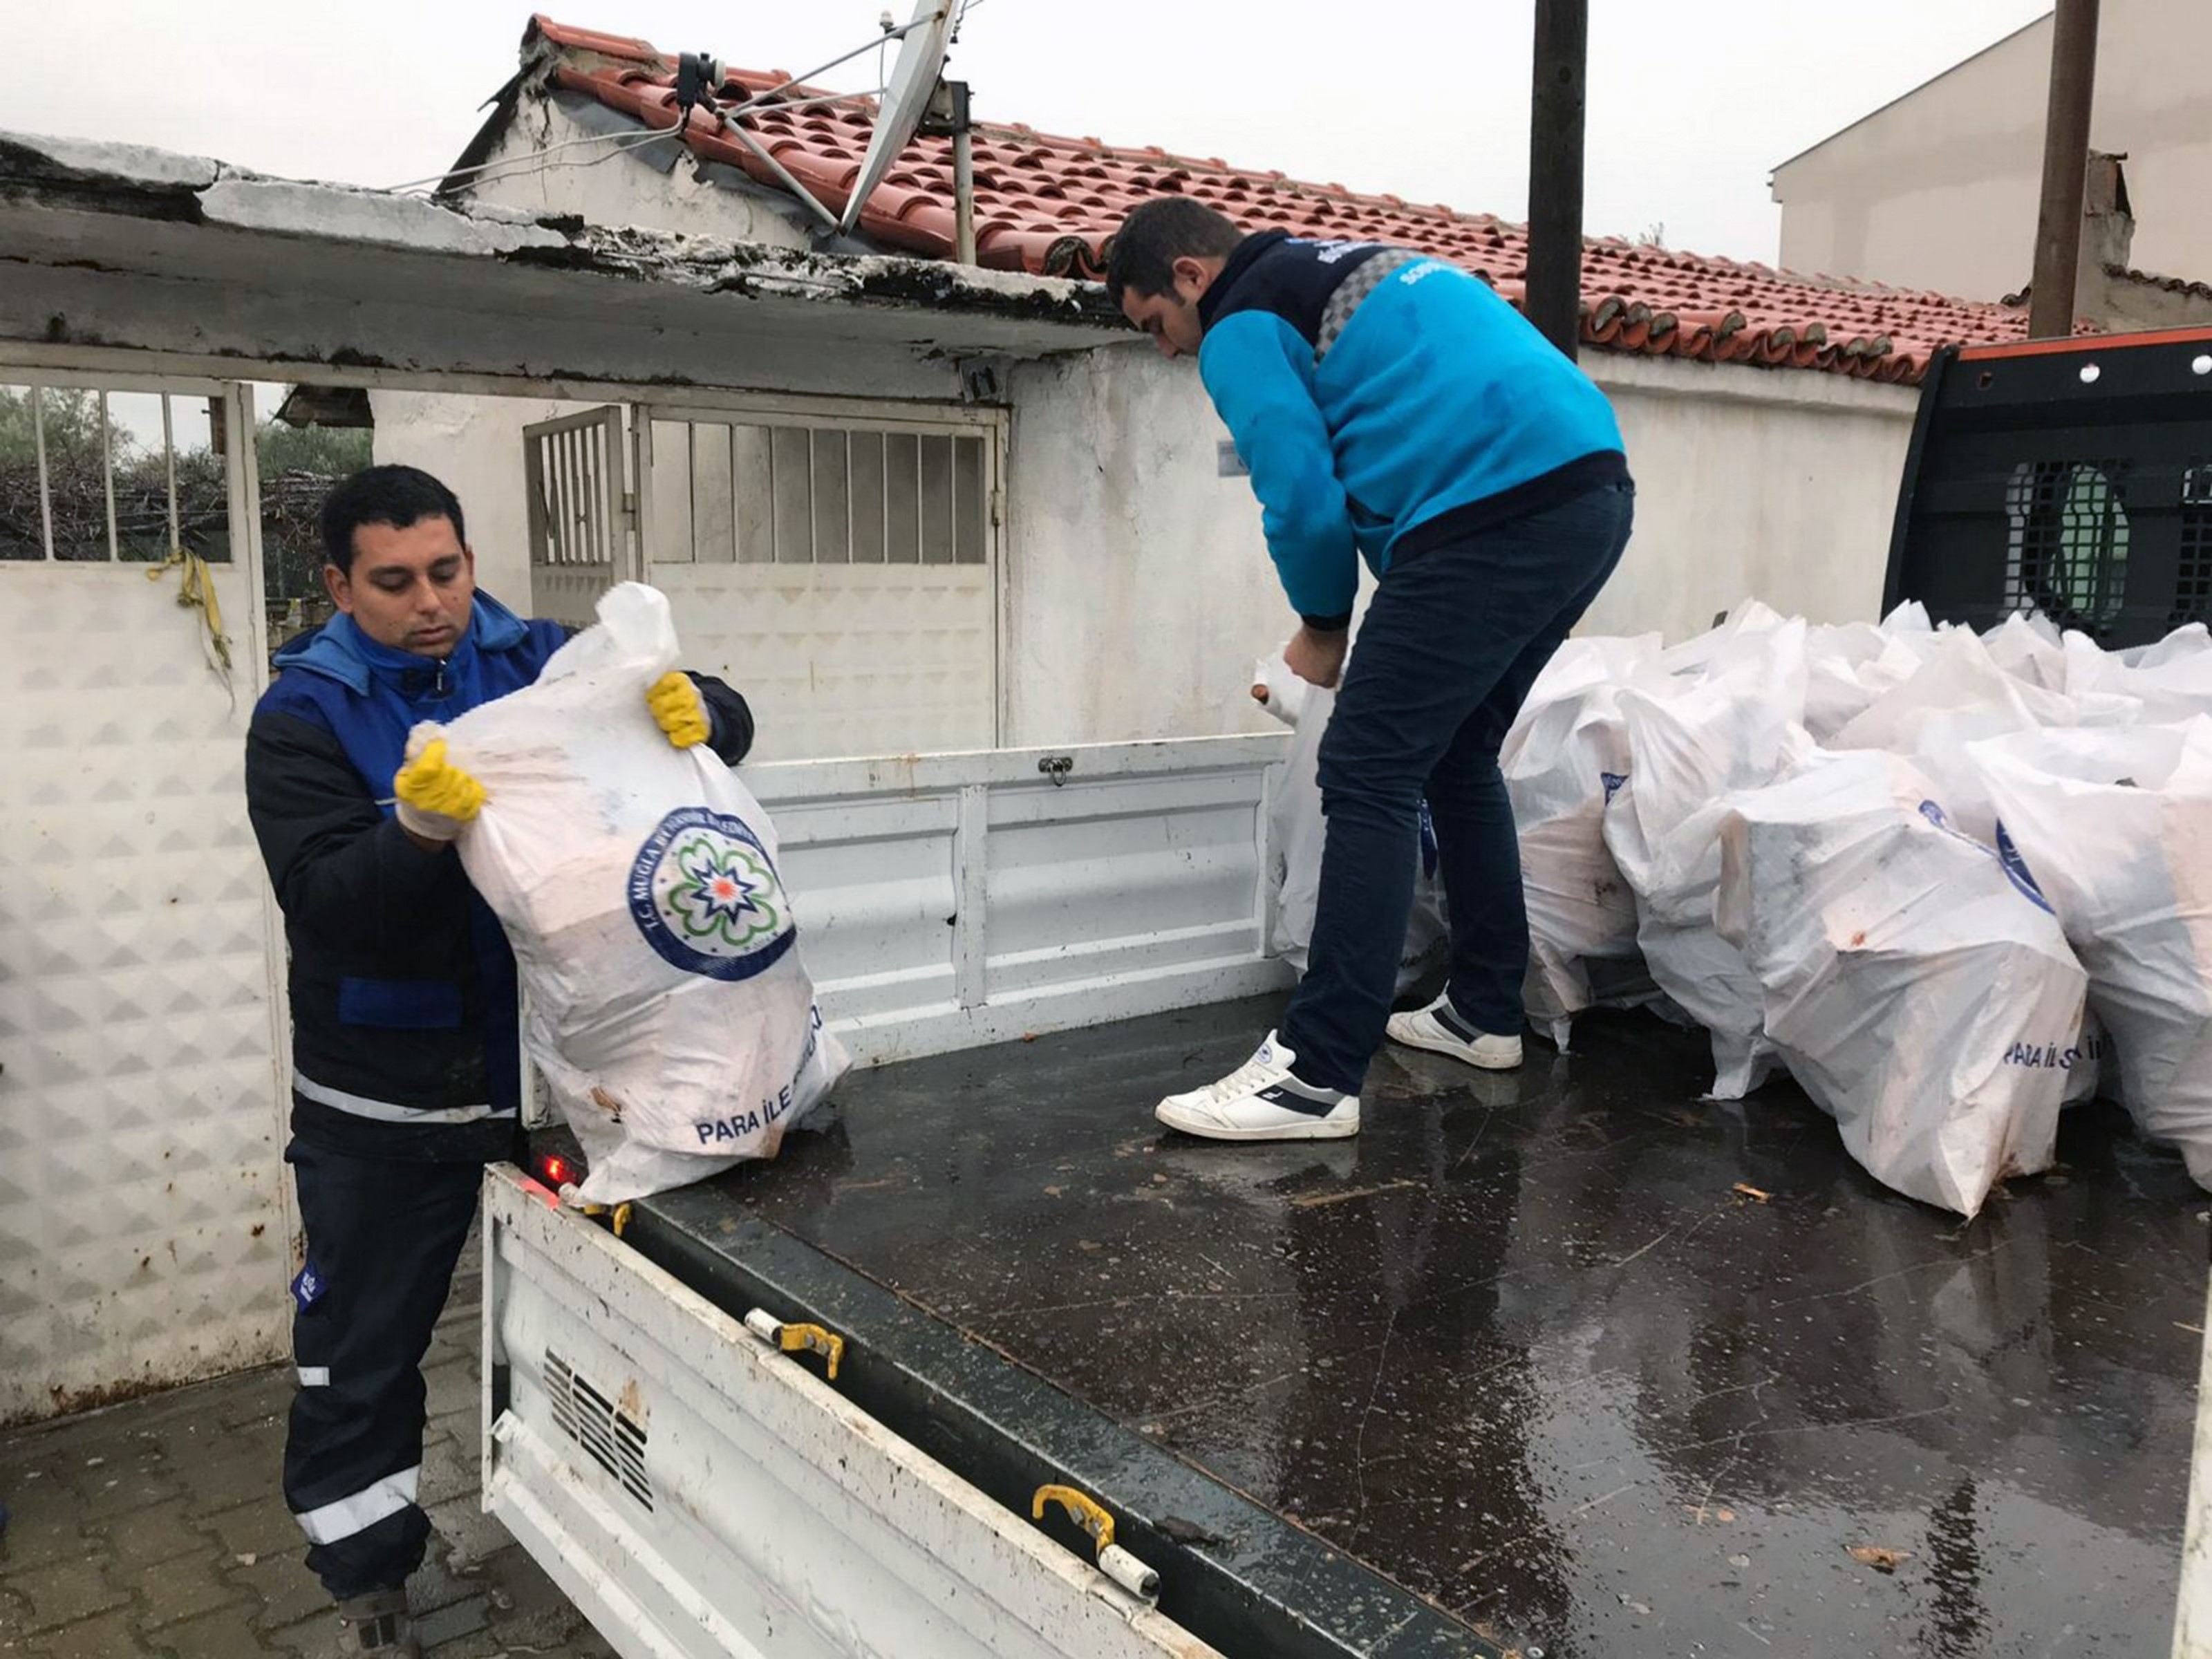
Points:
(475, 444)
(627, 190)
(1142, 590)
(1777, 485)
(1939, 190)
(145, 1215)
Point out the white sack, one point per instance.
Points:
(2189, 641)
(667, 1005)
(2030, 649)
(1300, 829)
(2116, 826)
(1848, 665)
(2167, 682)
(1567, 751)
(1922, 997)
(1962, 693)
(1731, 722)
(1698, 654)
(2085, 1067)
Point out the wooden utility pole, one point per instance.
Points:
(1554, 298)
(2065, 162)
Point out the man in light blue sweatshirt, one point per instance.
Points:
(1390, 406)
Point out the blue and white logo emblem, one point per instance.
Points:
(705, 896)
(2016, 867)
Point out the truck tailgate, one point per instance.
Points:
(698, 1494)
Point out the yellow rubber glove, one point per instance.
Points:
(436, 798)
(679, 709)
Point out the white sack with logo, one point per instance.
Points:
(2116, 826)
(1921, 994)
(668, 1006)
(1299, 830)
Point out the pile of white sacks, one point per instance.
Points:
(1952, 882)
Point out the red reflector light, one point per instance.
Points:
(555, 1171)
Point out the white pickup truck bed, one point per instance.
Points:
(1566, 1361)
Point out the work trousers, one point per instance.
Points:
(383, 1236)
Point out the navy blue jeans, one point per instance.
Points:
(1452, 640)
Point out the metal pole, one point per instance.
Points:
(963, 193)
(946, 117)
(2065, 162)
(782, 173)
(1555, 280)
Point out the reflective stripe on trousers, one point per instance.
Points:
(358, 1511)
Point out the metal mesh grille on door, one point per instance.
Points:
(726, 494)
(576, 476)
(2067, 553)
(842, 574)
(2192, 583)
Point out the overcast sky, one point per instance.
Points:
(1692, 102)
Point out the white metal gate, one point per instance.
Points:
(582, 515)
(144, 1216)
(837, 563)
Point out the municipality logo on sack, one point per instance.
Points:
(705, 897)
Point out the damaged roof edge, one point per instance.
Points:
(130, 180)
(94, 160)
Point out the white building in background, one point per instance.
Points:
(1939, 189)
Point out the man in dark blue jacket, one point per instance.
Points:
(406, 1063)
(1389, 405)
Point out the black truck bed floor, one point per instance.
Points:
(1530, 1349)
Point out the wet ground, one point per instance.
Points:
(157, 1529)
(1528, 1348)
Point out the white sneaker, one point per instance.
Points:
(1439, 1029)
(1261, 1101)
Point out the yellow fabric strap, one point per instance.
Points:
(197, 591)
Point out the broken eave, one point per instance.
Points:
(120, 249)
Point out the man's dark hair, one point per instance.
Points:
(1158, 233)
(396, 496)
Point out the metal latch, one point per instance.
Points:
(1057, 767)
(795, 1338)
(1116, 1563)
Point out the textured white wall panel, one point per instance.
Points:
(143, 1233)
(846, 659)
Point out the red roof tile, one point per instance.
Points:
(1048, 205)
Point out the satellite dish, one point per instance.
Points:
(905, 101)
